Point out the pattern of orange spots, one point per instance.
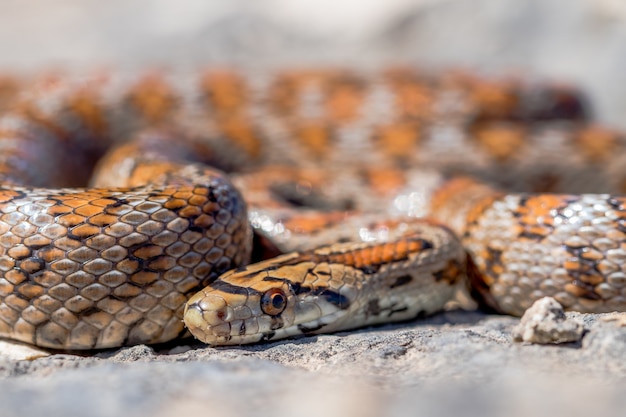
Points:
(284, 91)
(343, 101)
(537, 230)
(479, 208)
(502, 141)
(399, 140)
(241, 132)
(384, 253)
(592, 279)
(147, 173)
(385, 181)
(414, 97)
(597, 143)
(316, 138)
(537, 211)
(306, 224)
(465, 191)
(414, 100)
(153, 97)
(451, 274)
(494, 99)
(580, 290)
(445, 193)
(572, 264)
(225, 90)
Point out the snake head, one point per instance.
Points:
(264, 301)
(226, 314)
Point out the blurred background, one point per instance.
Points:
(571, 41)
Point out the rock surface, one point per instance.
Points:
(455, 363)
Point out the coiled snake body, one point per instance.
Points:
(338, 247)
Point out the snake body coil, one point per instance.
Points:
(115, 264)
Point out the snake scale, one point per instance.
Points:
(365, 195)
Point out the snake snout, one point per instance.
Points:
(207, 317)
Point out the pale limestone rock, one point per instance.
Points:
(545, 322)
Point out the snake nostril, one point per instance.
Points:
(219, 315)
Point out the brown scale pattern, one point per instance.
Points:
(102, 268)
(570, 247)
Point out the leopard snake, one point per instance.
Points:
(365, 195)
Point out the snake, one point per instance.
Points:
(246, 207)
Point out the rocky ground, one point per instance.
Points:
(455, 363)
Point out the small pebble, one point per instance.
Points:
(545, 322)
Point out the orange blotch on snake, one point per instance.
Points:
(315, 137)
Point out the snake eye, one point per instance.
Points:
(273, 302)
